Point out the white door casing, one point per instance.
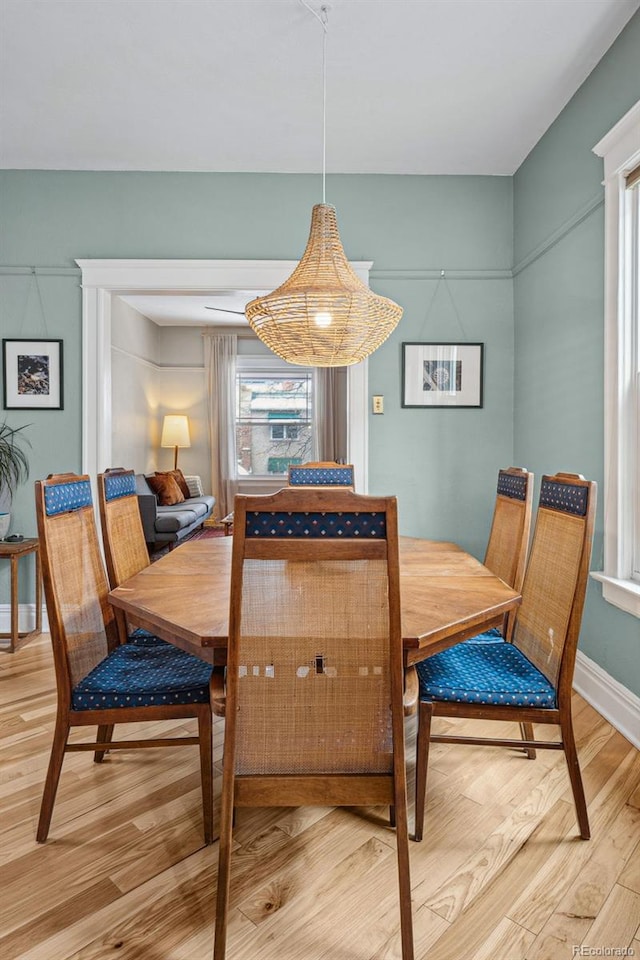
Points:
(103, 279)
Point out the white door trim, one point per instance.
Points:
(102, 279)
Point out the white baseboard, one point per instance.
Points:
(618, 705)
(26, 620)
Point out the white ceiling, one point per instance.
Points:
(191, 310)
(413, 86)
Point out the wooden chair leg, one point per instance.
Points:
(425, 712)
(205, 735)
(404, 879)
(58, 746)
(526, 732)
(105, 733)
(571, 756)
(224, 872)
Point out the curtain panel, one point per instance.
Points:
(220, 352)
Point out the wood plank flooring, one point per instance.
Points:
(500, 875)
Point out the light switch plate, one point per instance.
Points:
(378, 404)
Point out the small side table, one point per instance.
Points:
(227, 523)
(13, 552)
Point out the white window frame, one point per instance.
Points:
(267, 366)
(620, 150)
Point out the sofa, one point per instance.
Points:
(168, 525)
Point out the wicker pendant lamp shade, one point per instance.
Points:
(323, 315)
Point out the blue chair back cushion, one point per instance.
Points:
(143, 676)
(64, 497)
(511, 485)
(118, 485)
(320, 477)
(275, 524)
(489, 673)
(564, 496)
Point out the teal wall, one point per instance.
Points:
(441, 463)
(559, 306)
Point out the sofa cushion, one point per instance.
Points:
(166, 489)
(171, 520)
(178, 476)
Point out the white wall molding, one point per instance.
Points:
(158, 367)
(504, 273)
(618, 705)
(565, 228)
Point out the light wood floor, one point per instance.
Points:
(501, 874)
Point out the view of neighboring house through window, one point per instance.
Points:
(274, 425)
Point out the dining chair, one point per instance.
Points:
(529, 678)
(101, 682)
(125, 549)
(321, 473)
(314, 675)
(505, 556)
(506, 552)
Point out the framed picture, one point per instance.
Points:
(442, 374)
(32, 374)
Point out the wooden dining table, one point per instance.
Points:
(446, 596)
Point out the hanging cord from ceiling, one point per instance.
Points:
(323, 18)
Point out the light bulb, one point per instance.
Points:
(323, 319)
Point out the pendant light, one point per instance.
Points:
(323, 315)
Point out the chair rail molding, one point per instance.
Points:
(104, 279)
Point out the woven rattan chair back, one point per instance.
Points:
(314, 681)
(321, 473)
(506, 552)
(125, 549)
(547, 622)
(81, 620)
(101, 682)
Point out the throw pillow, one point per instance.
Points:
(166, 490)
(178, 476)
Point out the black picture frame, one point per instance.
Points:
(442, 374)
(32, 374)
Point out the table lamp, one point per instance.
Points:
(175, 433)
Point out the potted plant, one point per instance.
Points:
(14, 468)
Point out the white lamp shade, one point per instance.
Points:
(175, 431)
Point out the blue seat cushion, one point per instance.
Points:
(143, 638)
(489, 673)
(143, 676)
(489, 636)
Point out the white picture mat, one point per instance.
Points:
(18, 348)
(469, 356)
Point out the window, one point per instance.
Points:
(620, 149)
(274, 416)
(285, 431)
